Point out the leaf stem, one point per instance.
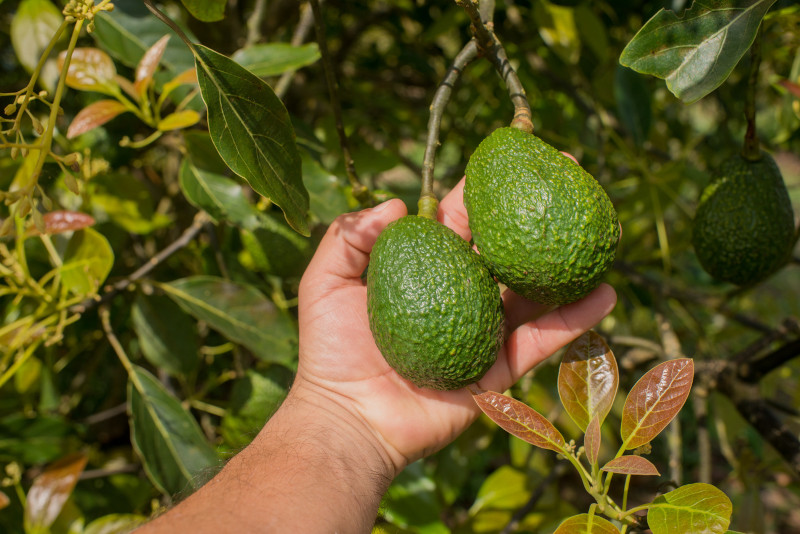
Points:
(440, 99)
(115, 344)
(490, 47)
(360, 191)
(752, 148)
(169, 22)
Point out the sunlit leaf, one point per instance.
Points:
(206, 10)
(60, 221)
(241, 313)
(631, 465)
(50, 491)
(592, 440)
(147, 66)
(94, 115)
(169, 441)
(588, 379)
(253, 134)
(254, 398)
(586, 524)
(697, 508)
(219, 196)
(696, 52)
(270, 59)
(27, 377)
(557, 28)
(655, 400)
(520, 420)
(120, 198)
(32, 27)
(412, 501)
(505, 488)
(167, 336)
(87, 261)
(115, 524)
(178, 120)
(90, 69)
(187, 77)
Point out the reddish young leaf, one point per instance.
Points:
(588, 379)
(591, 441)
(50, 491)
(148, 65)
(520, 420)
(90, 69)
(56, 222)
(94, 115)
(631, 465)
(586, 524)
(791, 87)
(655, 400)
(4, 500)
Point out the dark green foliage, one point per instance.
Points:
(434, 310)
(744, 226)
(545, 226)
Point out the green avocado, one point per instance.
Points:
(743, 229)
(544, 225)
(434, 310)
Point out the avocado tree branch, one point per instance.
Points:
(754, 371)
(427, 198)
(490, 47)
(752, 148)
(298, 37)
(360, 191)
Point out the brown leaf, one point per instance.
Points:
(791, 87)
(94, 115)
(631, 465)
(4, 500)
(588, 379)
(90, 69)
(655, 400)
(586, 524)
(520, 420)
(591, 441)
(50, 491)
(148, 65)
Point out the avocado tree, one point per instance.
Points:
(167, 169)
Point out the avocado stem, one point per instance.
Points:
(440, 99)
(752, 147)
(428, 207)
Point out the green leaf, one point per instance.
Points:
(586, 524)
(179, 120)
(328, 197)
(206, 10)
(253, 134)
(588, 379)
(33, 441)
(557, 28)
(239, 312)
(166, 437)
(32, 27)
(126, 202)
(271, 59)
(655, 400)
(115, 524)
(411, 502)
(633, 103)
(219, 196)
(697, 508)
(275, 249)
(167, 336)
(506, 488)
(695, 53)
(87, 261)
(50, 491)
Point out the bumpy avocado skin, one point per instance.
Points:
(743, 229)
(434, 310)
(545, 226)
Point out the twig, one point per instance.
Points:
(254, 22)
(672, 350)
(490, 47)
(537, 494)
(752, 149)
(111, 291)
(298, 37)
(755, 371)
(427, 198)
(360, 191)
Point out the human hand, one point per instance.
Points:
(342, 372)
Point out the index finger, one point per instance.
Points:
(452, 212)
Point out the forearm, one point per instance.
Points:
(311, 469)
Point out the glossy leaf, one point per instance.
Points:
(592, 440)
(270, 59)
(631, 465)
(241, 313)
(87, 261)
(697, 508)
(94, 115)
(178, 120)
(588, 379)
(219, 196)
(520, 420)
(253, 134)
(655, 400)
(167, 336)
(206, 10)
(115, 524)
(166, 437)
(50, 491)
(91, 69)
(696, 52)
(148, 65)
(586, 524)
(32, 26)
(60, 221)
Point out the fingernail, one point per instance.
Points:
(380, 207)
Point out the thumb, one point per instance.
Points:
(344, 251)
